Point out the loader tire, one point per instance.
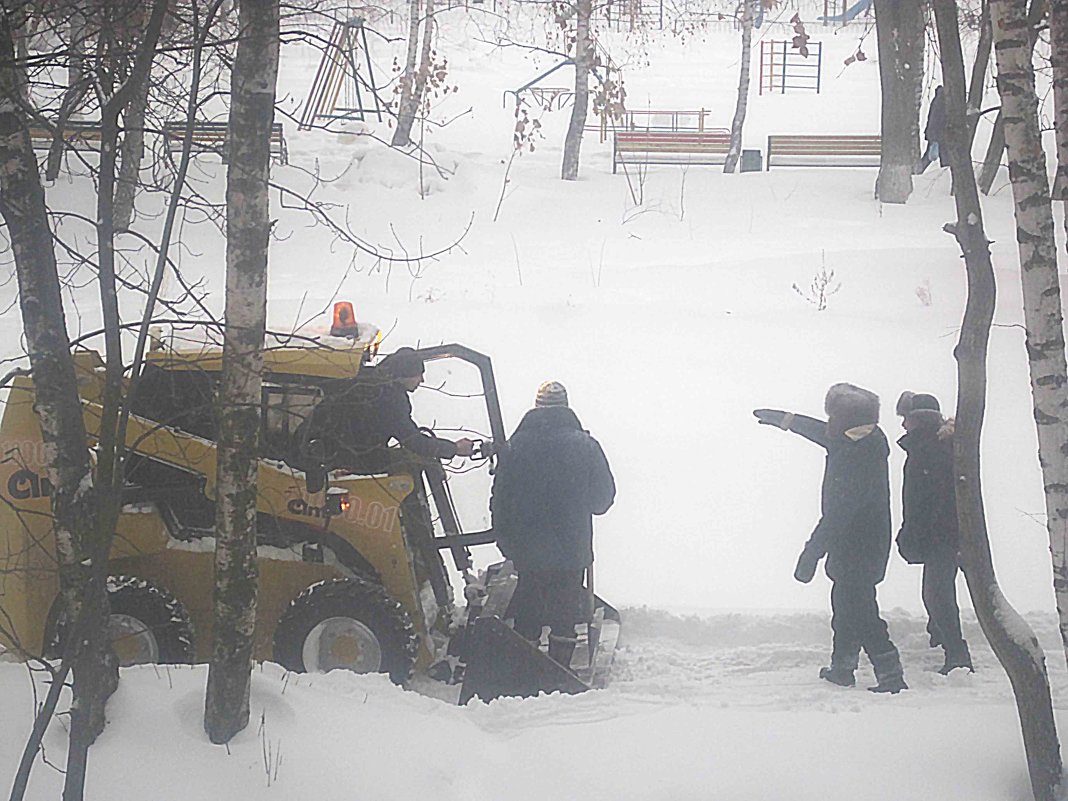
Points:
(147, 625)
(350, 624)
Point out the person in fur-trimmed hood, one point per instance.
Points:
(928, 533)
(853, 531)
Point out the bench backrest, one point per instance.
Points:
(211, 136)
(677, 141)
(824, 144)
(210, 131)
(77, 134)
(824, 150)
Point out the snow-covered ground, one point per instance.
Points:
(668, 321)
(722, 707)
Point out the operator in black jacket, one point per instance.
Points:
(354, 425)
(550, 481)
(361, 416)
(853, 532)
(928, 533)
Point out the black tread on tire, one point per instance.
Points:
(159, 612)
(358, 600)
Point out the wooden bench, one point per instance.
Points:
(210, 137)
(77, 135)
(823, 150)
(669, 147)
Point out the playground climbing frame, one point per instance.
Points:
(783, 68)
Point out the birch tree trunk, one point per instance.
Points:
(977, 84)
(1038, 271)
(58, 406)
(423, 73)
(900, 28)
(131, 155)
(1058, 27)
(78, 79)
(253, 85)
(409, 103)
(735, 151)
(1036, 11)
(22, 205)
(96, 671)
(583, 59)
(1011, 638)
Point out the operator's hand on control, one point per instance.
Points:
(464, 447)
(774, 417)
(807, 563)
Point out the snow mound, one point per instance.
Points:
(425, 172)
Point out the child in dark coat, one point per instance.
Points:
(853, 532)
(928, 533)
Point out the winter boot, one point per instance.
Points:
(889, 676)
(957, 657)
(561, 649)
(842, 676)
(843, 663)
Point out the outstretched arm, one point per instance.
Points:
(403, 429)
(808, 427)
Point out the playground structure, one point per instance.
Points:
(337, 92)
(783, 68)
(666, 120)
(551, 98)
(556, 98)
(634, 14)
(848, 14)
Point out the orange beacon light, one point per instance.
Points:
(344, 324)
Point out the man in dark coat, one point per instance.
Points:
(354, 425)
(550, 481)
(928, 533)
(361, 416)
(853, 532)
(934, 132)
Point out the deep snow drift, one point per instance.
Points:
(726, 707)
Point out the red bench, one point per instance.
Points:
(670, 147)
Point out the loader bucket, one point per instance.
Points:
(593, 657)
(501, 662)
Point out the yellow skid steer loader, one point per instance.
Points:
(348, 577)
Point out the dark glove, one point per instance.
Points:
(807, 563)
(774, 417)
